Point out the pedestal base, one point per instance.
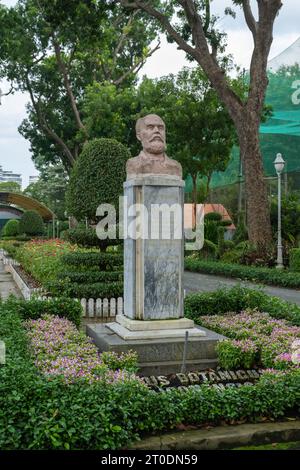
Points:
(160, 356)
(129, 329)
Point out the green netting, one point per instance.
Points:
(281, 133)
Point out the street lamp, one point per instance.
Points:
(279, 166)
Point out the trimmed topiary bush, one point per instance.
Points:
(11, 228)
(87, 237)
(31, 223)
(97, 178)
(295, 259)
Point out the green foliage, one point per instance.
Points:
(295, 260)
(127, 361)
(50, 189)
(10, 186)
(87, 291)
(97, 178)
(31, 223)
(90, 277)
(11, 247)
(42, 258)
(87, 237)
(237, 299)
(11, 228)
(209, 251)
(290, 218)
(104, 261)
(213, 216)
(35, 308)
(270, 276)
(232, 356)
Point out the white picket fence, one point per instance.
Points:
(97, 308)
(92, 308)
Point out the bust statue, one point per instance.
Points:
(152, 160)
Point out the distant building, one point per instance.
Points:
(33, 179)
(9, 176)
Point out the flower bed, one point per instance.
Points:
(38, 413)
(42, 258)
(256, 339)
(60, 350)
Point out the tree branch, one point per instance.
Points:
(136, 67)
(45, 127)
(63, 70)
(249, 17)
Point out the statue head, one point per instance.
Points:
(151, 132)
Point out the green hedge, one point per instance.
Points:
(11, 228)
(34, 308)
(31, 223)
(91, 277)
(93, 290)
(36, 413)
(295, 260)
(106, 261)
(87, 237)
(269, 276)
(237, 299)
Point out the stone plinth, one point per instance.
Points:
(161, 355)
(153, 267)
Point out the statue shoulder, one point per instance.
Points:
(132, 161)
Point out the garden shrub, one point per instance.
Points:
(251, 273)
(11, 228)
(237, 299)
(89, 290)
(97, 178)
(236, 354)
(209, 251)
(106, 261)
(295, 259)
(31, 223)
(87, 237)
(33, 309)
(91, 277)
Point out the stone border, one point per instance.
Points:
(223, 437)
(26, 291)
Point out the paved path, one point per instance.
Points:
(7, 284)
(197, 282)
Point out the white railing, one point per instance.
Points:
(97, 308)
(92, 308)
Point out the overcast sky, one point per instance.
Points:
(14, 149)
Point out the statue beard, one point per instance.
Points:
(156, 147)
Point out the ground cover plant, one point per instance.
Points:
(256, 339)
(60, 349)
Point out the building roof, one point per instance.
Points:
(27, 203)
(208, 208)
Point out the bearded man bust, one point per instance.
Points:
(152, 160)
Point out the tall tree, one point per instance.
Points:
(53, 50)
(195, 33)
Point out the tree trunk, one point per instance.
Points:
(258, 212)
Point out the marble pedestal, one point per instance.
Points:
(153, 322)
